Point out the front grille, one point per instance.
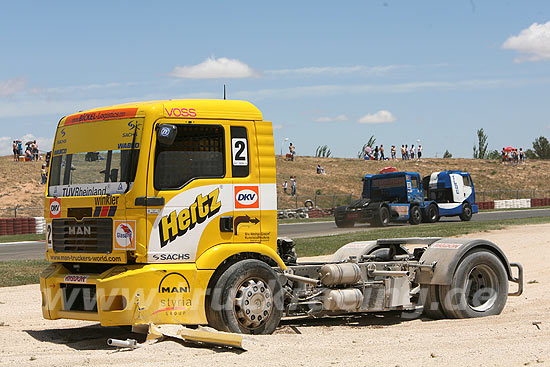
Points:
(79, 297)
(87, 236)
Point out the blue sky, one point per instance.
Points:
(324, 72)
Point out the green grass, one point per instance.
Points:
(22, 237)
(20, 272)
(314, 246)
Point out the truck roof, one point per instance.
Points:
(171, 108)
(392, 174)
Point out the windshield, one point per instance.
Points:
(388, 189)
(94, 158)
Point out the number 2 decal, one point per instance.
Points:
(49, 235)
(240, 151)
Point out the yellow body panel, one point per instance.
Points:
(172, 249)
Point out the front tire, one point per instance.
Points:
(479, 287)
(246, 299)
(466, 212)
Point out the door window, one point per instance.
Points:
(197, 152)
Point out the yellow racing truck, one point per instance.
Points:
(165, 212)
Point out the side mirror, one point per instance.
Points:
(166, 134)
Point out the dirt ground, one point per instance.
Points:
(510, 339)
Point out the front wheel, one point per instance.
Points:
(466, 212)
(246, 299)
(479, 287)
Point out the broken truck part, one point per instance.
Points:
(165, 212)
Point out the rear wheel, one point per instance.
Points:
(466, 212)
(415, 215)
(479, 287)
(429, 296)
(246, 299)
(432, 214)
(383, 218)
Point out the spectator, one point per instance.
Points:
(419, 152)
(20, 147)
(15, 151)
(28, 154)
(402, 152)
(521, 155)
(34, 147)
(48, 156)
(285, 187)
(292, 150)
(503, 153)
(393, 152)
(376, 153)
(320, 170)
(44, 174)
(412, 152)
(407, 152)
(382, 152)
(292, 185)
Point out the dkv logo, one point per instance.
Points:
(247, 197)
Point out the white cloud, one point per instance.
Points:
(380, 117)
(532, 42)
(10, 87)
(335, 70)
(213, 68)
(338, 118)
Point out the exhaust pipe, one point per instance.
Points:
(128, 343)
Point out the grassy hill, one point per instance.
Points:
(20, 181)
(343, 176)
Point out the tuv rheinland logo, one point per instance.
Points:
(247, 197)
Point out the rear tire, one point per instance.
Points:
(429, 294)
(466, 212)
(383, 218)
(432, 214)
(247, 299)
(479, 287)
(415, 215)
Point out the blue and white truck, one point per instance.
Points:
(404, 196)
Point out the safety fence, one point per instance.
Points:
(19, 211)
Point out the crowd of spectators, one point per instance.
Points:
(379, 154)
(29, 153)
(512, 155)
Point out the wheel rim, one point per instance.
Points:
(467, 211)
(481, 288)
(433, 214)
(253, 303)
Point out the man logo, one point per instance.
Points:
(174, 283)
(247, 197)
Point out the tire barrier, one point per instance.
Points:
(513, 204)
(22, 225)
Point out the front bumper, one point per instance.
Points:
(127, 294)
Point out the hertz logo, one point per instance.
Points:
(177, 224)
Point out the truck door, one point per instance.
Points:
(190, 190)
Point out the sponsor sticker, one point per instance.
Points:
(447, 245)
(247, 197)
(74, 278)
(55, 208)
(174, 283)
(124, 234)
